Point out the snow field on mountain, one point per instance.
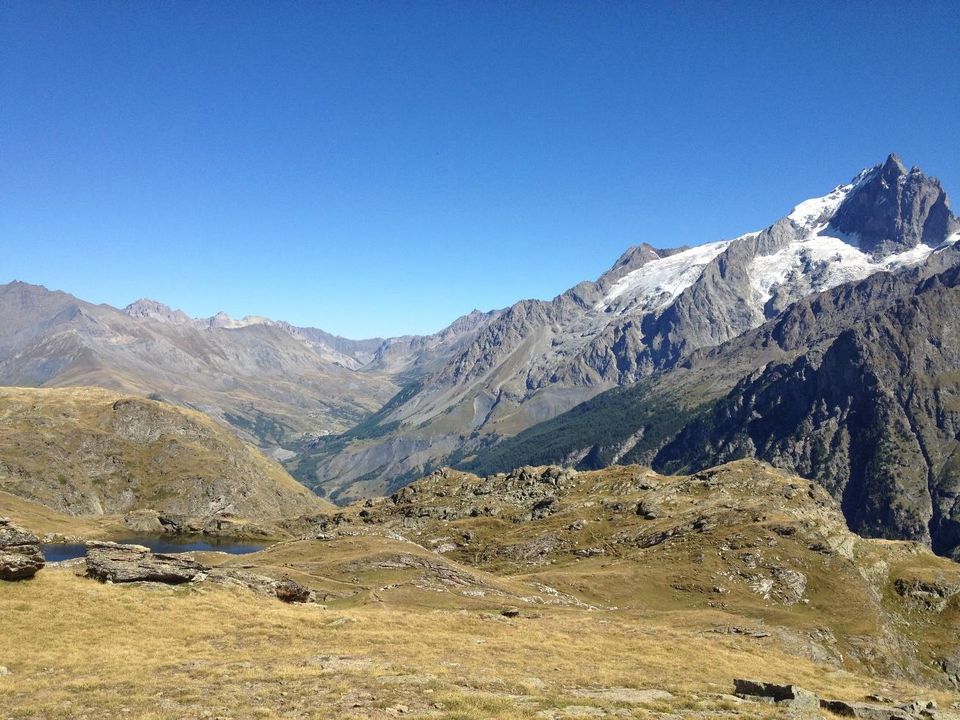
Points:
(826, 259)
(659, 282)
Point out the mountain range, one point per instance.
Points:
(649, 313)
(273, 383)
(823, 342)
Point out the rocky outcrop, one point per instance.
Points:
(218, 523)
(915, 710)
(286, 589)
(20, 553)
(801, 701)
(930, 594)
(118, 563)
(530, 493)
(124, 563)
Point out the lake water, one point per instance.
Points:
(160, 544)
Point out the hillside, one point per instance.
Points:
(89, 451)
(743, 538)
(507, 596)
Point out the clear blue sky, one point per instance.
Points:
(381, 168)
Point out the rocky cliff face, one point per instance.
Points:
(897, 211)
(536, 360)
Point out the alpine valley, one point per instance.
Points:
(824, 344)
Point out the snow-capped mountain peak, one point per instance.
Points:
(821, 250)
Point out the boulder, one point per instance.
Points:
(950, 665)
(789, 696)
(174, 524)
(929, 594)
(113, 562)
(143, 521)
(20, 554)
(290, 591)
(544, 508)
(286, 589)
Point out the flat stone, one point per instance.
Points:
(633, 696)
(341, 663)
(572, 711)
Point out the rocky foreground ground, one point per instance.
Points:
(542, 593)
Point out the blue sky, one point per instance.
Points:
(378, 168)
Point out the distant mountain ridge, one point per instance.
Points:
(349, 353)
(275, 384)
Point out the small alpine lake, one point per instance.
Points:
(57, 552)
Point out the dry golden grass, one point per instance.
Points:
(79, 649)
